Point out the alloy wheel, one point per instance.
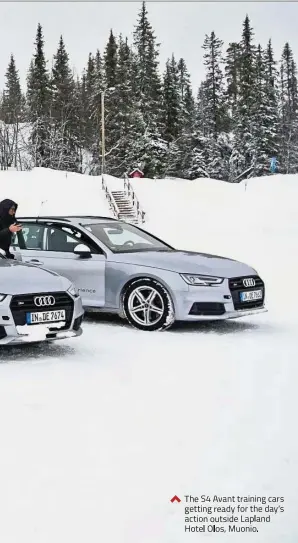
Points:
(146, 306)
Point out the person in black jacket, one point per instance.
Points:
(8, 225)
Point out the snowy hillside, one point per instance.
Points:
(46, 191)
(260, 205)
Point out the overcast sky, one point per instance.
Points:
(180, 28)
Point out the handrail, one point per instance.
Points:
(110, 198)
(133, 197)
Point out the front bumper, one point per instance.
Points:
(11, 333)
(218, 297)
(229, 314)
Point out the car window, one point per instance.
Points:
(30, 238)
(63, 239)
(119, 238)
(125, 237)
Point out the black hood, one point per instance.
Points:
(5, 206)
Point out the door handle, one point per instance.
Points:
(34, 261)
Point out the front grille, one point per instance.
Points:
(207, 309)
(22, 304)
(236, 286)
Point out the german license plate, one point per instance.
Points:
(251, 295)
(42, 317)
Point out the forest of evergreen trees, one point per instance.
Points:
(244, 113)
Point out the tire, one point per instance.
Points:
(137, 296)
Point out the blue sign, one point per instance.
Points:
(273, 165)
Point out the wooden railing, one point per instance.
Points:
(109, 196)
(128, 188)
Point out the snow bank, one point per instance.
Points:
(46, 191)
(216, 209)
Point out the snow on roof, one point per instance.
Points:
(136, 170)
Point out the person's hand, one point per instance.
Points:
(15, 228)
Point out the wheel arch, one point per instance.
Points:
(146, 277)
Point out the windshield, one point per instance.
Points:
(124, 238)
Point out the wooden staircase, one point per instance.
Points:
(123, 201)
(125, 206)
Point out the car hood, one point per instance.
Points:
(187, 262)
(17, 278)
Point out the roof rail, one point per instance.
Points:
(90, 217)
(47, 217)
(65, 217)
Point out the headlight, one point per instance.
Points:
(73, 291)
(2, 297)
(201, 280)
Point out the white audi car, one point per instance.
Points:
(36, 304)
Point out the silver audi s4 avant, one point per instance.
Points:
(36, 305)
(118, 267)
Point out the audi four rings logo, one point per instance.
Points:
(249, 282)
(42, 301)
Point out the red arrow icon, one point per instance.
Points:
(175, 499)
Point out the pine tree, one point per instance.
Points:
(92, 85)
(81, 106)
(64, 115)
(62, 85)
(288, 111)
(271, 76)
(213, 86)
(214, 99)
(232, 74)
(266, 111)
(180, 149)
(110, 61)
(118, 105)
(96, 88)
(260, 119)
(98, 85)
(196, 164)
(202, 117)
(187, 103)
(39, 102)
(243, 155)
(111, 103)
(171, 101)
(89, 88)
(148, 95)
(12, 112)
(147, 80)
(13, 103)
(125, 136)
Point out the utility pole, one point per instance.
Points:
(103, 135)
(103, 131)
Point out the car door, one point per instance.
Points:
(52, 246)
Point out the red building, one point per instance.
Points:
(136, 173)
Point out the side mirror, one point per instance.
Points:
(82, 250)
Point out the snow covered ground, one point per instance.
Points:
(98, 433)
(44, 191)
